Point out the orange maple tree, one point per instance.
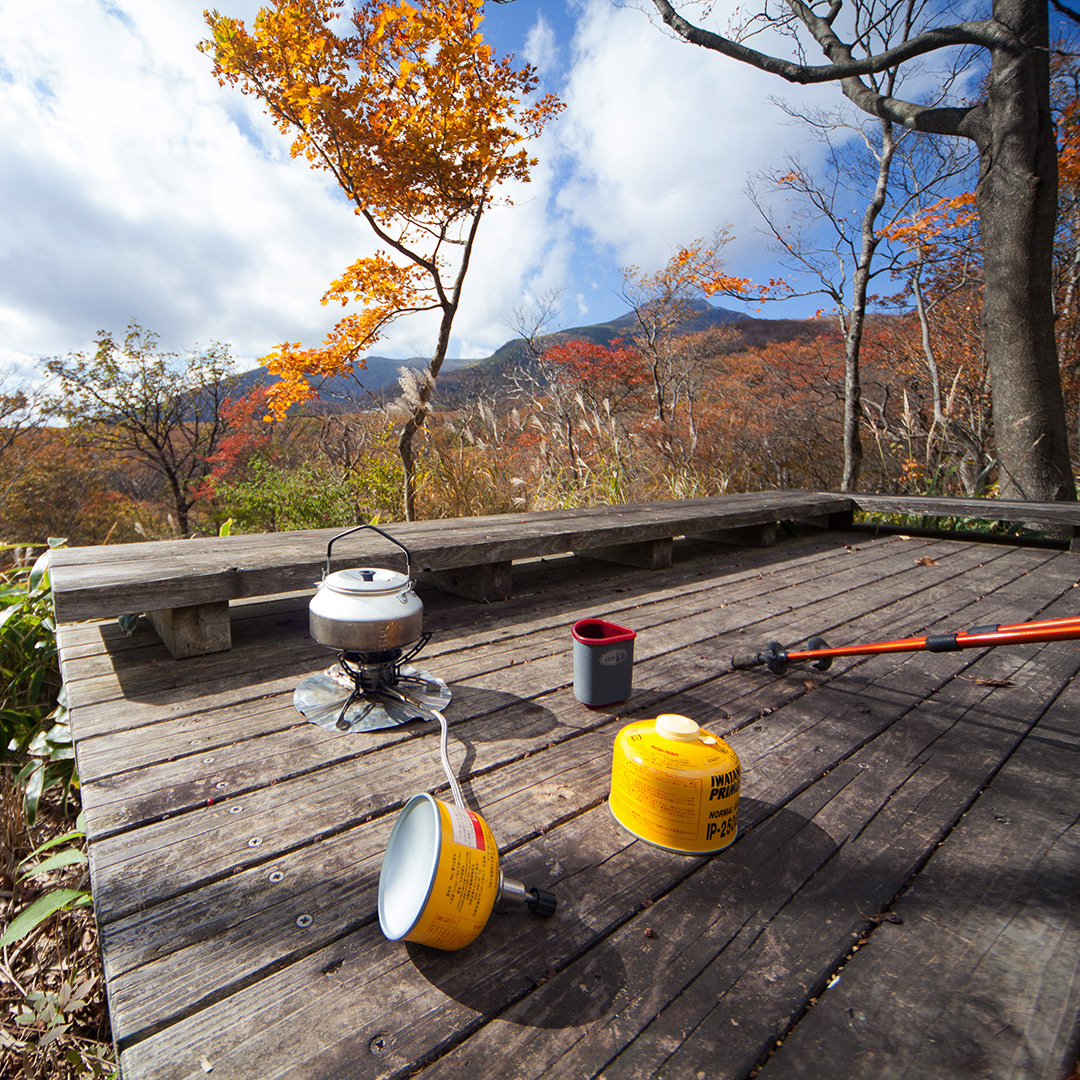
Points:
(419, 122)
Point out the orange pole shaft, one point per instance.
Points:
(1015, 634)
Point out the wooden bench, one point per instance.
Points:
(1054, 517)
(184, 586)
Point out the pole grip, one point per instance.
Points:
(746, 660)
(942, 643)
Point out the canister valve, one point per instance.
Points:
(538, 901)
(541, 902)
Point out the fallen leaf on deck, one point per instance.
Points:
(926, 561)
(889, 917)
(989, 682)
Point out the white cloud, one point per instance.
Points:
(663, 135)
(135, 187)
(138, 188)
(541, 49)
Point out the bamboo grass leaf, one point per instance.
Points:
(69, 857)
(40, 910)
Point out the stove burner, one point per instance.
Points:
(370, 691)
(373, 671)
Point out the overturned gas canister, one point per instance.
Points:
(675, 785)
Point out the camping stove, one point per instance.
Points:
(372, 619)
(370, 691)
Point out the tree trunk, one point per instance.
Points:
(181, 504)
(1017, 203)
(419, 411)
(853, 451)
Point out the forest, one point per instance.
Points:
(156, 445)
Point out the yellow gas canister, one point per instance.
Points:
(440, 875)
(675, 786)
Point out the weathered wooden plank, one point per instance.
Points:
(268, 715)
(714, 985)
(684, 940)
(840, 520)
(748, 536)
(1010, 510)
(204, 954)
(480, 697)
(981, 976)
(195, 630)
(488, 583)
(145, 680)
(382, 987)
(214, 907)
(416, 993)
(335, 882)
(648, 554)
(541, 596)
(942, 754)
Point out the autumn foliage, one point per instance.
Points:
(667, 411)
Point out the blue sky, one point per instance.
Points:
(135, 187)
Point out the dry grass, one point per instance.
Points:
(54, 1024)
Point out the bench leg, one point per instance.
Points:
(649, 554)
(193, 631)
(746, 536)
(841, 521)
(484, 583)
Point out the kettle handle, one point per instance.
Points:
(375, 528)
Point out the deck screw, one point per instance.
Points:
(221, 786)
(235, 809)
(379, 1044)
(276, 876)
(304, 921)
(208, 761)
(254, 842)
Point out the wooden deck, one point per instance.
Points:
(901, 900)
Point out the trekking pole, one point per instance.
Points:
(776, 658)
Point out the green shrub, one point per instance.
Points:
(278, 498)
(34, 724)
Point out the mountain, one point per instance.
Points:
(707, 317)
(379, 376)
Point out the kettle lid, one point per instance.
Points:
(365, 581)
